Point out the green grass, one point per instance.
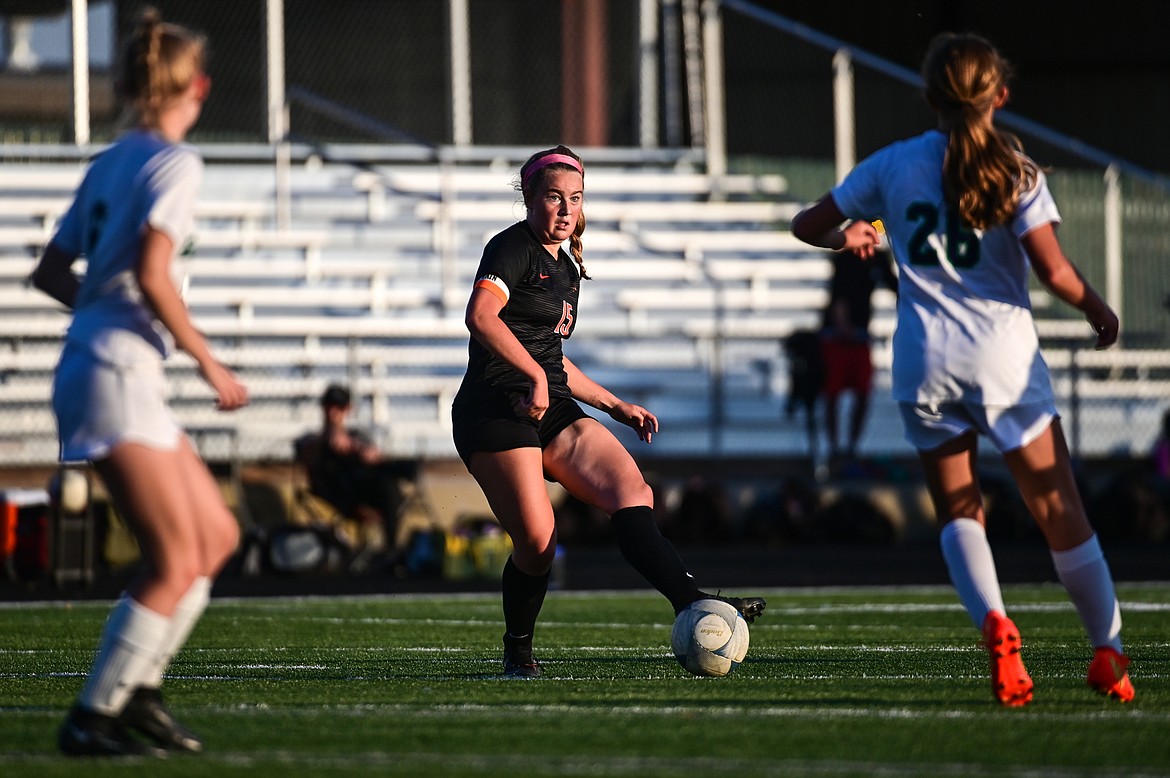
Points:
(838, 682)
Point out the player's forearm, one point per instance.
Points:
(53, 276)
(587, 390)
(1068, 285)
(170, 310)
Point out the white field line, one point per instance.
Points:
(231, 672)
(777, 593)
(527, 710)
(572, 651)
(287, 611)
(797, 610)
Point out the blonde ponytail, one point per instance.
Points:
(158, 63)
(985, 170)
(150, 33)
(575, 247)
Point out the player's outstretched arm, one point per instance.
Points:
(1054, 270)
(154, 279)
(597, 396)
(820, 225)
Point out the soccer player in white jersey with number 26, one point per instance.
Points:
(967, 214)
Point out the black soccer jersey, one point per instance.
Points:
(540, 308)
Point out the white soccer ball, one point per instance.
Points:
(709, 638)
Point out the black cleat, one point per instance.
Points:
(748, 607)
(86, 733)
(146, 713)
(518, 661)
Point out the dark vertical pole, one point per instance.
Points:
(584, 73)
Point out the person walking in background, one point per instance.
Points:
(1160, 454)
(967, 213)
(133, 212)
(515, 417)
(806, 381)
(845, 343)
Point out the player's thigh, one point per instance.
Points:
(951, 479)
(513, 483)
(1043, 472)
(595, 467)
(147, 487)
(217, 528)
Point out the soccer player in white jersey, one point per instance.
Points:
(131, 216)
(967, 213)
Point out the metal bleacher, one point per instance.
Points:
(364, 279)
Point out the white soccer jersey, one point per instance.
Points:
(965, 330)
(140, 180)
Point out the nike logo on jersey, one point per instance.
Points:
(542, 276)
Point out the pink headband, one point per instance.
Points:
(552, 159)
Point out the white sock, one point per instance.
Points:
(972, 569)
(1086, 577)
(187, 613)
(126, 657)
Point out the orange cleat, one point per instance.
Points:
(1010, 682)
(1107, 674)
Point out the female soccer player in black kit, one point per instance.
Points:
(516, 421)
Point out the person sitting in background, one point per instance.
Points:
(348, 471)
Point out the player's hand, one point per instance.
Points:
(861, 238)
(643, 421)
(230, 392)
(536, 403)
(1106, 325)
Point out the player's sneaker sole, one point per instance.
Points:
(1108, 676)
(1010, 681)
(146, 713)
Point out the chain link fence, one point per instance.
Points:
(367, 81)
(780, 117)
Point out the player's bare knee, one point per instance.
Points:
(534, 558)
(178, 572)
(628, 497)
(224, 541)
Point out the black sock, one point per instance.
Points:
(523, 598)
(653, 556)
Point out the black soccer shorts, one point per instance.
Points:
(492, 424)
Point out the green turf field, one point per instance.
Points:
(838, 682)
